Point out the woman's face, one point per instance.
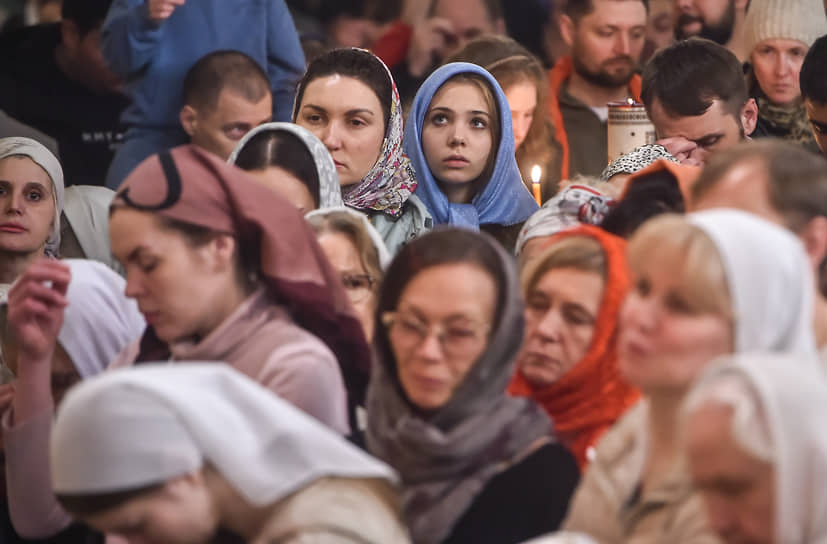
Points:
(440, 329)
(27, 205)
(346, 115)
(359, 284)
(776, 64)
(456, 136)
(286, 185)
(522, 99)
(180, 512)
(664, 343)
(561, 311)
(182, 291)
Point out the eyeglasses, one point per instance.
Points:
(455, 339)
(358, 286)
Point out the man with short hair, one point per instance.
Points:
(226, 94)
(696, 97)
(721, 21)
(813, 80)
(606, 39)
(53, 78)
(783, 183)
(444, 30)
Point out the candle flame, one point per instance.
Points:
(630, 101)
(536, 172)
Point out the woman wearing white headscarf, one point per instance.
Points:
(89, 323)
(757, 422)
(705, 285)
(293, 162)
(30, 206)
(212, 450)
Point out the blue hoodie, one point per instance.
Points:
(154, 58)
(504, 200)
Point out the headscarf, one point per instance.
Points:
(591, 396)
(391, 181)
(86, 207)
(190, 185)
(44, 158)
(181, 417)
(99, 320)
(330, 194)
(790, 393)
(446, 460)
(637, 159)
(573, 206)
(769, 278)
(504, 200)
(375, 237)
(685, 176)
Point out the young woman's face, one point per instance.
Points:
(286, 185)
(359, 284)
(664, 343)
(522, 99)
(346, 115)
(27, 205)
(440, 329)
(776, 64)
(456, 136)
(182, 291)
(561, 312)
(180, 512)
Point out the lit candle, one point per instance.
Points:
(536, 172)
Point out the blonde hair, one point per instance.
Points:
(348, 225)
(578, 252)
(671, 238)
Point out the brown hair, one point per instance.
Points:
(796, 182)
(220, 70)
(84, 505)
(671, 238)
(510, 63)
(578, 252)
(342, 222)
(495, 125)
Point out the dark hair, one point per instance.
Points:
(285, 150)
(511, 63)
(646, 197)
(97, 503)
(812, 75)
(688, 76)
(350, 62)
(493, 7)
(442, 246)
(88, 15)
(796, 181)
(220, 70)
(577, 9)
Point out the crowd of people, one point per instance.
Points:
(363, 272)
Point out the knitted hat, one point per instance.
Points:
(802, 20)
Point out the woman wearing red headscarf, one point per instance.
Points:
(568, 363)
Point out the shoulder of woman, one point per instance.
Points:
(337, 510)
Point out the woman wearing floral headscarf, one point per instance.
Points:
(349, 100)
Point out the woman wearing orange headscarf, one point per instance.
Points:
(568, 363)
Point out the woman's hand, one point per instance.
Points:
(36, 303)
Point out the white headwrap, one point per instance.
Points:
(44, 158)
(132, 428)
(86, 207)
(99, 320)
(790, 391)
(378, 242)
(770, 281)
(330, 193)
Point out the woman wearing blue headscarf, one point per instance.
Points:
(461, 144)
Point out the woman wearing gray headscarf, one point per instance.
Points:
(31, 200)
(293, 162)
(476, 464)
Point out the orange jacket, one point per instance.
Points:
(556, 77)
